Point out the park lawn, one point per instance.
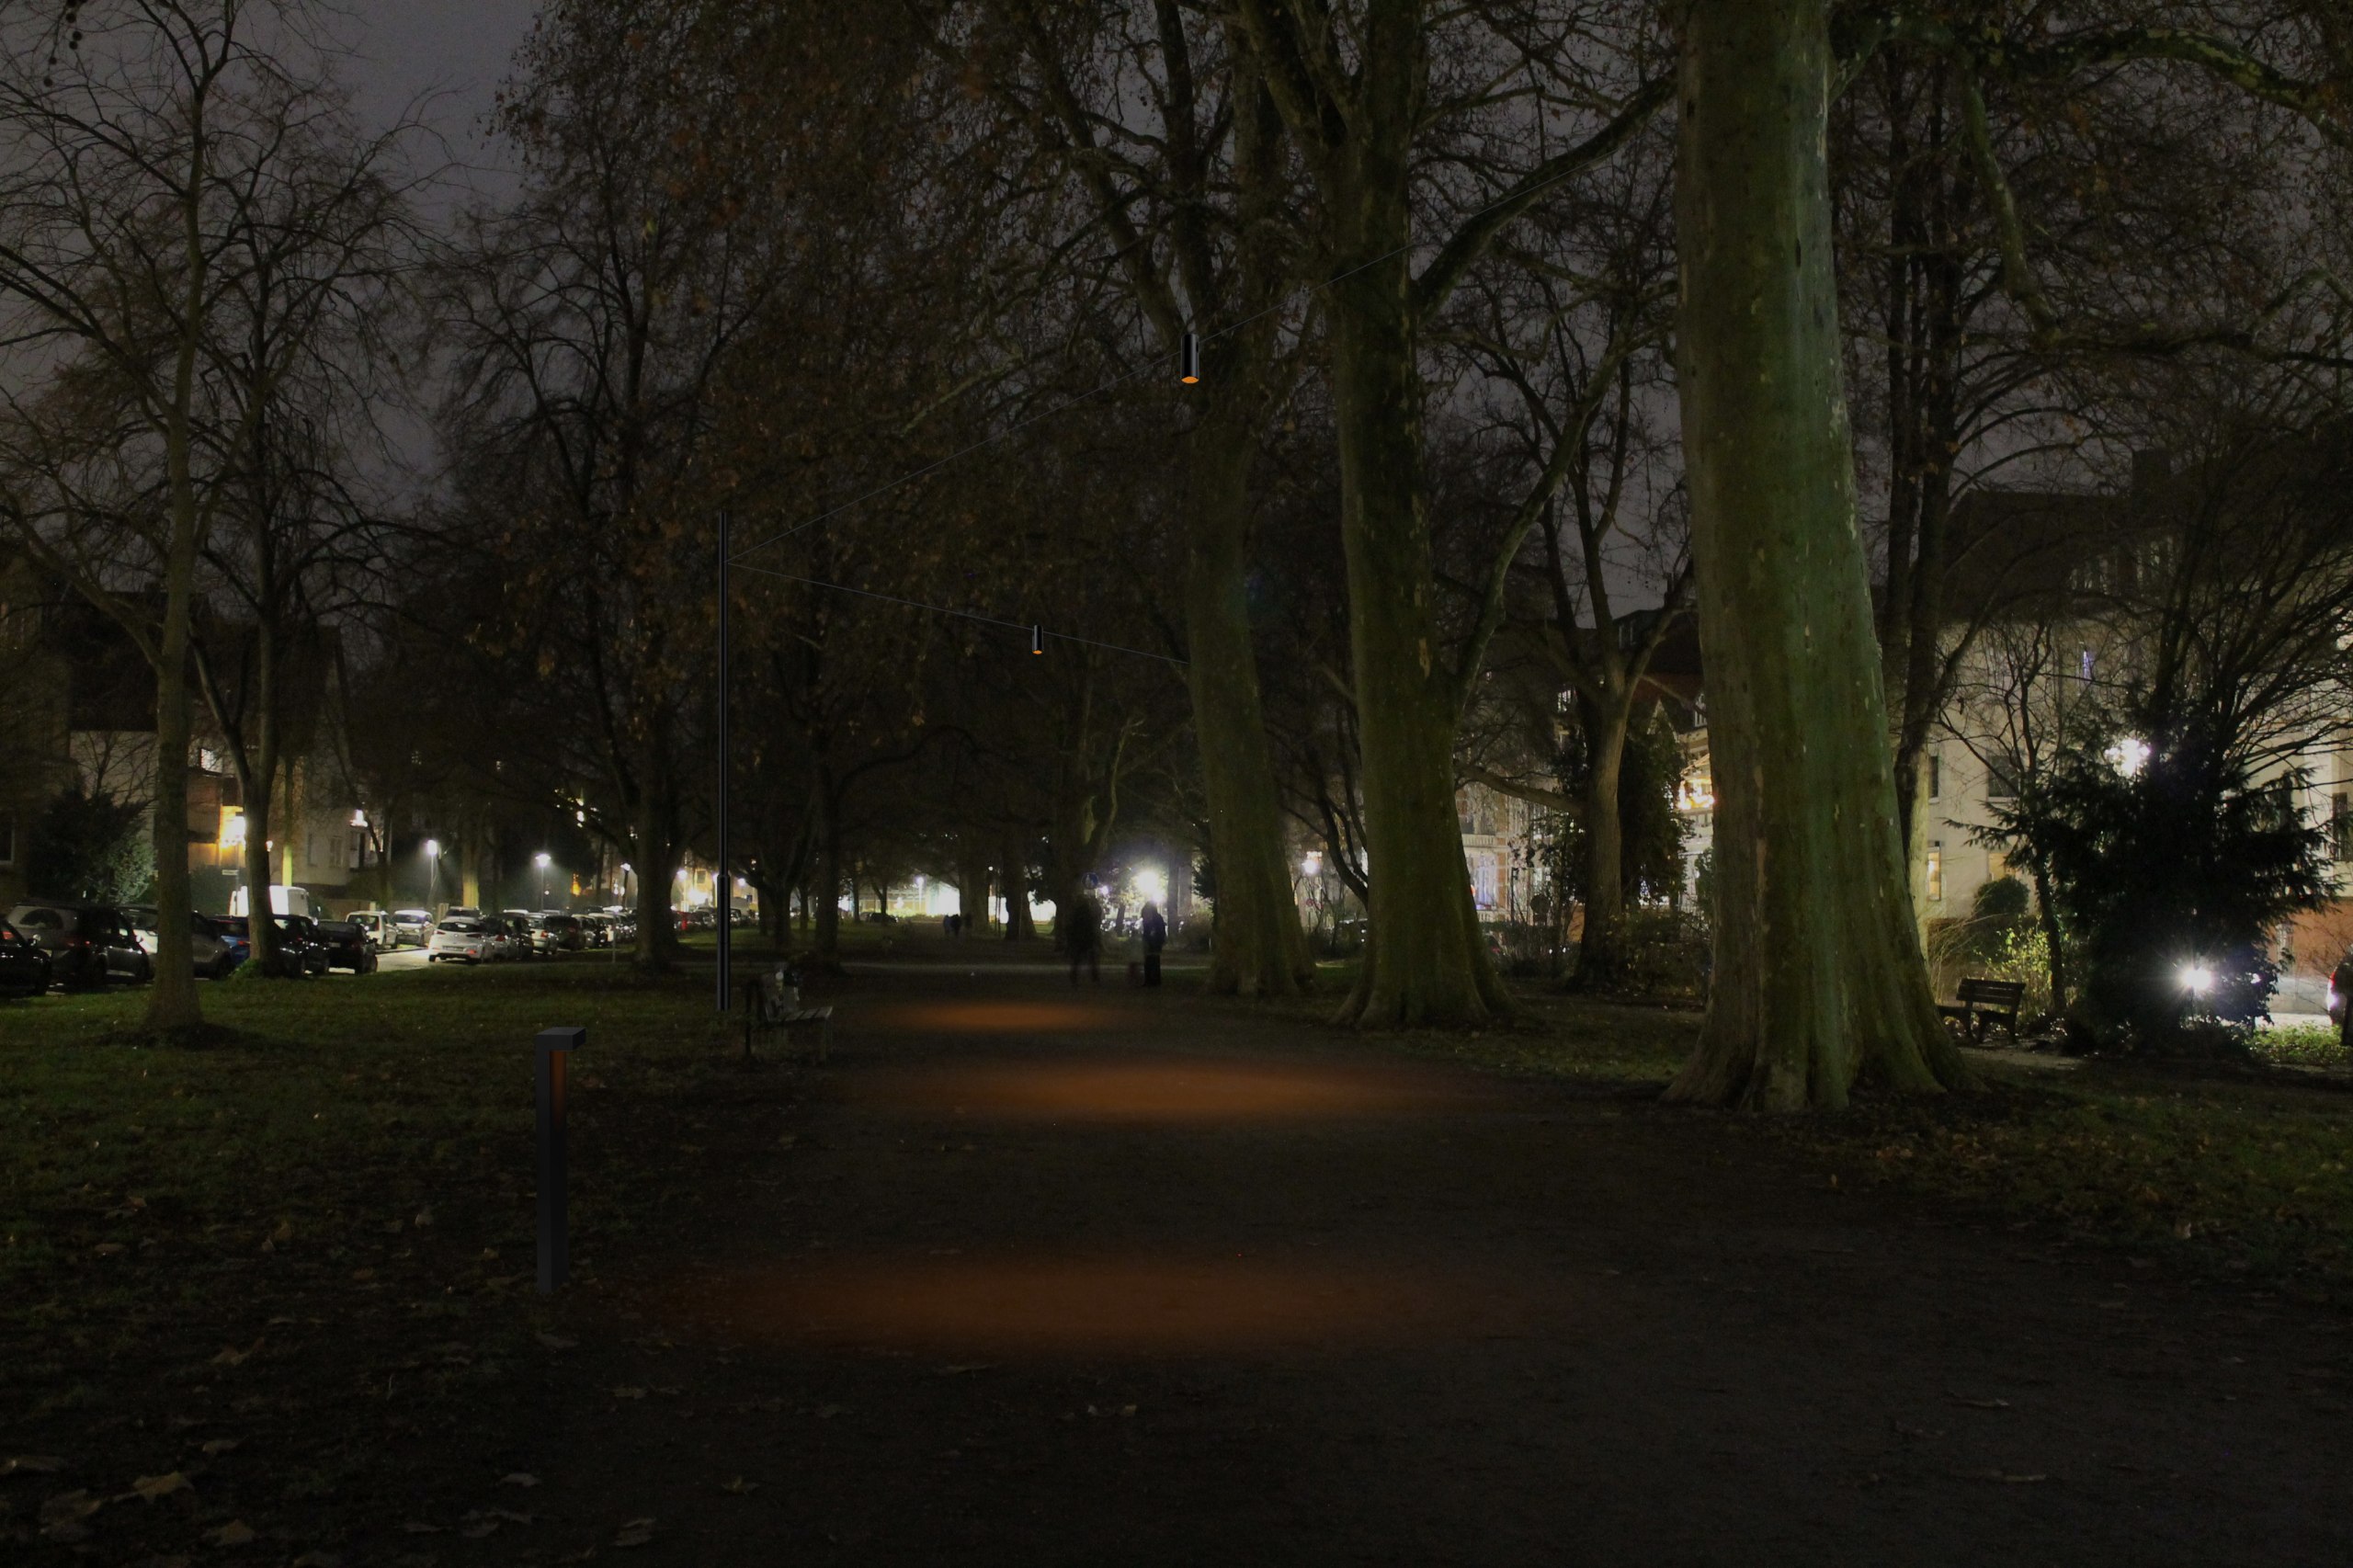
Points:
(357, 1149)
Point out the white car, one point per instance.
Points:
(466, 939)
(412, 925)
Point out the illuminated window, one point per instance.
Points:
(1936, 871)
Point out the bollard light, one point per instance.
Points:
(555, 1048)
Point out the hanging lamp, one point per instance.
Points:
(1036, 639)
(1189, 355)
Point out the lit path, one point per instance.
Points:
(1111, 1278)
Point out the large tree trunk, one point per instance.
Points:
(1427, 963)
(657, 859)
(173, 1001)
(1819, 979)
(1019, 925)
(973, 885)
(1260, 950)
(825, 945)
(1601, 952)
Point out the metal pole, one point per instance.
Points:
(555, 1047)
(720, 878)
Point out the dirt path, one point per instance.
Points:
(1036, 1278)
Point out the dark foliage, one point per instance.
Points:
(2173, 872)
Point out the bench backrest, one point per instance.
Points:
(1996, 992)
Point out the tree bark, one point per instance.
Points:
(1427, 963)
(1019, 925)
(1601, 952)
(1260, 950)
(825, 944)
(1819, 979)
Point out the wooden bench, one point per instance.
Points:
(764, 1007)
(1984, 1002)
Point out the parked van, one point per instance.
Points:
(282, 901)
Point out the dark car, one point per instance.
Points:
(564, 933)
(299, 950)
(89, 944)
(349, 946)
(23, 968)
(214, 955)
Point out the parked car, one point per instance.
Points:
(89, 944)
(464, 938)
(382, 935)
(415, 926)
(24, 968)
(596, 930)
(347, 946)
(565, 931)
(206, 947)
(462, 911)
(299, 950)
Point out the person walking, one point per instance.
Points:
(1085, 938)
(1154, 927)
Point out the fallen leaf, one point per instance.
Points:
(519, 1479)
(637, 1532)
(418, 1527)
(222, 1444)
(558, 1342)
(1979, 1403)
(479, 1529)
(285, 1232)
(959, 1368)
(361, 1275)
(108, 1249)
(230, 1358)
(509, 1515)
(424, 1217)
(739, 1486)
(44, 1464)
(154, 1486)
(827, 1412)
(237, 1532)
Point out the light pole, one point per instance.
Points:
(432, 875)
(540, 860)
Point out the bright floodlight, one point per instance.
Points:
(2197, 979)
(1312, 866)
(1151, 886)
(2129, 755)
(540, 860)
(433, 848)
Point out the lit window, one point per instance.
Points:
(1936, 872)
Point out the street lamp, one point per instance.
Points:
(432, 872)
(542, 861)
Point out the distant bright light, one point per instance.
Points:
(360, 818)
(2129, 755)
(1151, 885)
(433, 848)
(2197, 979)
(233, 828)
(1312, 866)
(540, 860)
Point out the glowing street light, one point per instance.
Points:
(542, 860)
(2129, 755)
(432, 872)
(1151, 885)
(2197, 979)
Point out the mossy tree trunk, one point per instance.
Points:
(1819, 981)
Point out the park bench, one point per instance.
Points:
(771, 1001)
(1984, 1002)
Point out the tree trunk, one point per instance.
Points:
(656, 858)
(825, 945)
(1018, 926)
(1601, 953)
(1427, 963)
(1260, 950)
(174, 1005)
(1819, 979)
(973, 888)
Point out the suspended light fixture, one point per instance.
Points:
(1190, 361)
(1036, 639)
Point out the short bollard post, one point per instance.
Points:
(555, 1047)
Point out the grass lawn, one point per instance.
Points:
(341, 1189)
